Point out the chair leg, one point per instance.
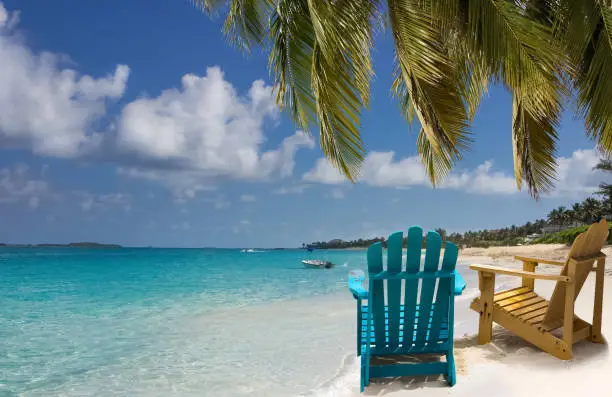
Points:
(359, 330)
(452, 375)
(365, 371)
(598, 304)
(486, 284)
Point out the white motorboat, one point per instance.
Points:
(317, 264)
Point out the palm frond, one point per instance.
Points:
(436, 163)
(523, 54)
(247, 21)
(429, 82)
(592, 24)
(533, 145)
(290, 60)
(341, 74)
(208, 6)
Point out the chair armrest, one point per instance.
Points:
(537, 260)
(459, 284)
(518, 273)
(355, 284)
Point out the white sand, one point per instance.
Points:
(509, 366)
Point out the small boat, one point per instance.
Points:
(317, 264)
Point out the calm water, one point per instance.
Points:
(174, 322)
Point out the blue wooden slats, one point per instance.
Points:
(403, 369)
(445, 292)
(421, 322)
(432, 258)
(413, 265)
(394, 287)
(377, 293)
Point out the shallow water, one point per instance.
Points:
(177, 322)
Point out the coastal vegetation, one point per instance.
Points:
(549, 55)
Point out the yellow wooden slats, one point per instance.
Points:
(520, 305)
(528, 309)
(515, 299)
(532, 314)
(536, 320)
(510, 293)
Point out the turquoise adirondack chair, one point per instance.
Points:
(407, 324)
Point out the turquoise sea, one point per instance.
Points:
(175, 322)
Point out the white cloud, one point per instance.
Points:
(575, 175)
(17, 185)
(8, 20)
(184, 138)
(207, 128)
(90, 202)
(324, 172)
(247, 198)
(295, 189)
(245, 222)
(44, 107)
(481, 180)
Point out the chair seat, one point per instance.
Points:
(522, 303)
(430, 345)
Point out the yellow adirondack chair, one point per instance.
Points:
(533, 318)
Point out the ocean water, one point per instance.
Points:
(177, 322)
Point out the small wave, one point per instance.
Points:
(344, 383)
(250, 250)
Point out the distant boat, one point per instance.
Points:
(317, 264)
(309, 249)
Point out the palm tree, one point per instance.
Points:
(446, 54)
(605, 189)
(555, 217)
(591, 210)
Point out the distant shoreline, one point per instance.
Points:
(69, 245)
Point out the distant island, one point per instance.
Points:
(69, 245)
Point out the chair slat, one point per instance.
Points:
(413, 265)
(432, 260)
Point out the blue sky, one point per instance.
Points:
(136, 123)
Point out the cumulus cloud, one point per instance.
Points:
(184, 138)
(18, 185)
(205, 126)
(575, 175)
(44, 107)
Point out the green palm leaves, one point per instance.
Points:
(447, 52)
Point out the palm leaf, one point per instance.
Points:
(208, 6)
(592, 57)
(522, 53)
(290, 60)
(341, 74)
(247, 21)
(428, 86)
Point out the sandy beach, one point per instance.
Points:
(509, 366)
